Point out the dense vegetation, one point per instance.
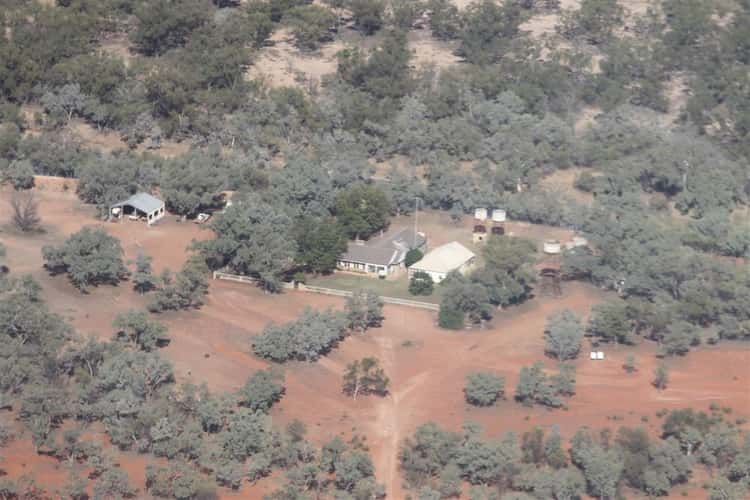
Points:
(436, 461)
(61, 384)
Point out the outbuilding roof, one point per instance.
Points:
(445, 258)
(143, 202)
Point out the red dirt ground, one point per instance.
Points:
(212, 345)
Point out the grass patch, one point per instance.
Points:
(398, 288)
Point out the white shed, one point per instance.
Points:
(140, 206)
(444, 259)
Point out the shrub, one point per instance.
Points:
(25, 211)
(365, 376)
(183, 291)
(585, 181)
(421, 284)
(413, 256)
(450, 318)
(483, 388)
(20, 174)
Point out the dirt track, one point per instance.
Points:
(212, 345)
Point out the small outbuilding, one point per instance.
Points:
(140, 206)
(444, 259)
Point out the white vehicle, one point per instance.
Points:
(202, 218)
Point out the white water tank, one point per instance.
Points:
(579, 241)
(498, 215)
(552, 247)
(480, 214)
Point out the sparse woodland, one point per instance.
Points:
(661, 196)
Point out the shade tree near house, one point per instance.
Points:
(463, 301)
(362, 210)
(421, 284)
(504, 279)
(320, 242)
(253, 238)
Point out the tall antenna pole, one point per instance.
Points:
(416, 218)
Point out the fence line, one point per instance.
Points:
(220, 275)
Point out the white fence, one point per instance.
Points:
(220, 275)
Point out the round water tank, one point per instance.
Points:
(480, 214)
(498, 215)
(552, 247)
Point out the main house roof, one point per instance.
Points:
(385, 250)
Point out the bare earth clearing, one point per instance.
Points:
(212, 346)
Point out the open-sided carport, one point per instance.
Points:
(141, 205)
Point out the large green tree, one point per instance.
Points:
(89, 257)
(320, 242)
(252, 238)
(563, 335)
(362, 210)
(507, 273)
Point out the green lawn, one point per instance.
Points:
(398, 287)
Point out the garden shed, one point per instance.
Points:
(141, 206)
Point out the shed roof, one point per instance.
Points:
(143, 202)
(445, 258)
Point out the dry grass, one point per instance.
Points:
(562, 181)
(282, 64)
(586, 118)
(677, 95)
(426, 51)
(118, 46)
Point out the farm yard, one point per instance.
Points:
(427, 365)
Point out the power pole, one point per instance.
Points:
(416, 218)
